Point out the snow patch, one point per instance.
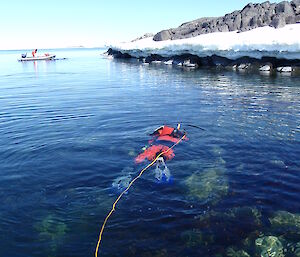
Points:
(264, 41)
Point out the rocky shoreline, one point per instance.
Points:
(265, 64)
(272, 45)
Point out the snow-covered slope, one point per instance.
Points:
(265, 41)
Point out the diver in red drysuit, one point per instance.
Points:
(165, 133)
(153, 151)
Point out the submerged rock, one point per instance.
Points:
(196, 237)
(283, 221)
(225, 226)
(269, 246)
(217, 151)
(122, 182)
(220, 161)
(250, 215)
(157, 253)
(249, 241)
(51, 230)
(297, 250)
(231, 252)
(214, 227)
(208, 185)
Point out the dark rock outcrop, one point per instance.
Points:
(118, 54)
(250, 17)
(213, 60)
(245, 63)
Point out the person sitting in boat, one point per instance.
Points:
(34, 52)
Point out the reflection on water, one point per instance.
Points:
(70, 131)
(38, 66)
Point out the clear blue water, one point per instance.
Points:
(70, 127)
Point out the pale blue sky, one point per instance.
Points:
(66, 23)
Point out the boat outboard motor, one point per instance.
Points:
(23, 55)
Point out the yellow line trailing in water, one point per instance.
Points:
(130, 184)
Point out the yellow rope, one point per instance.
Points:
(130, 184)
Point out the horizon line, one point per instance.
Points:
(55, 48)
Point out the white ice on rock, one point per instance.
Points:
(264, 41)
